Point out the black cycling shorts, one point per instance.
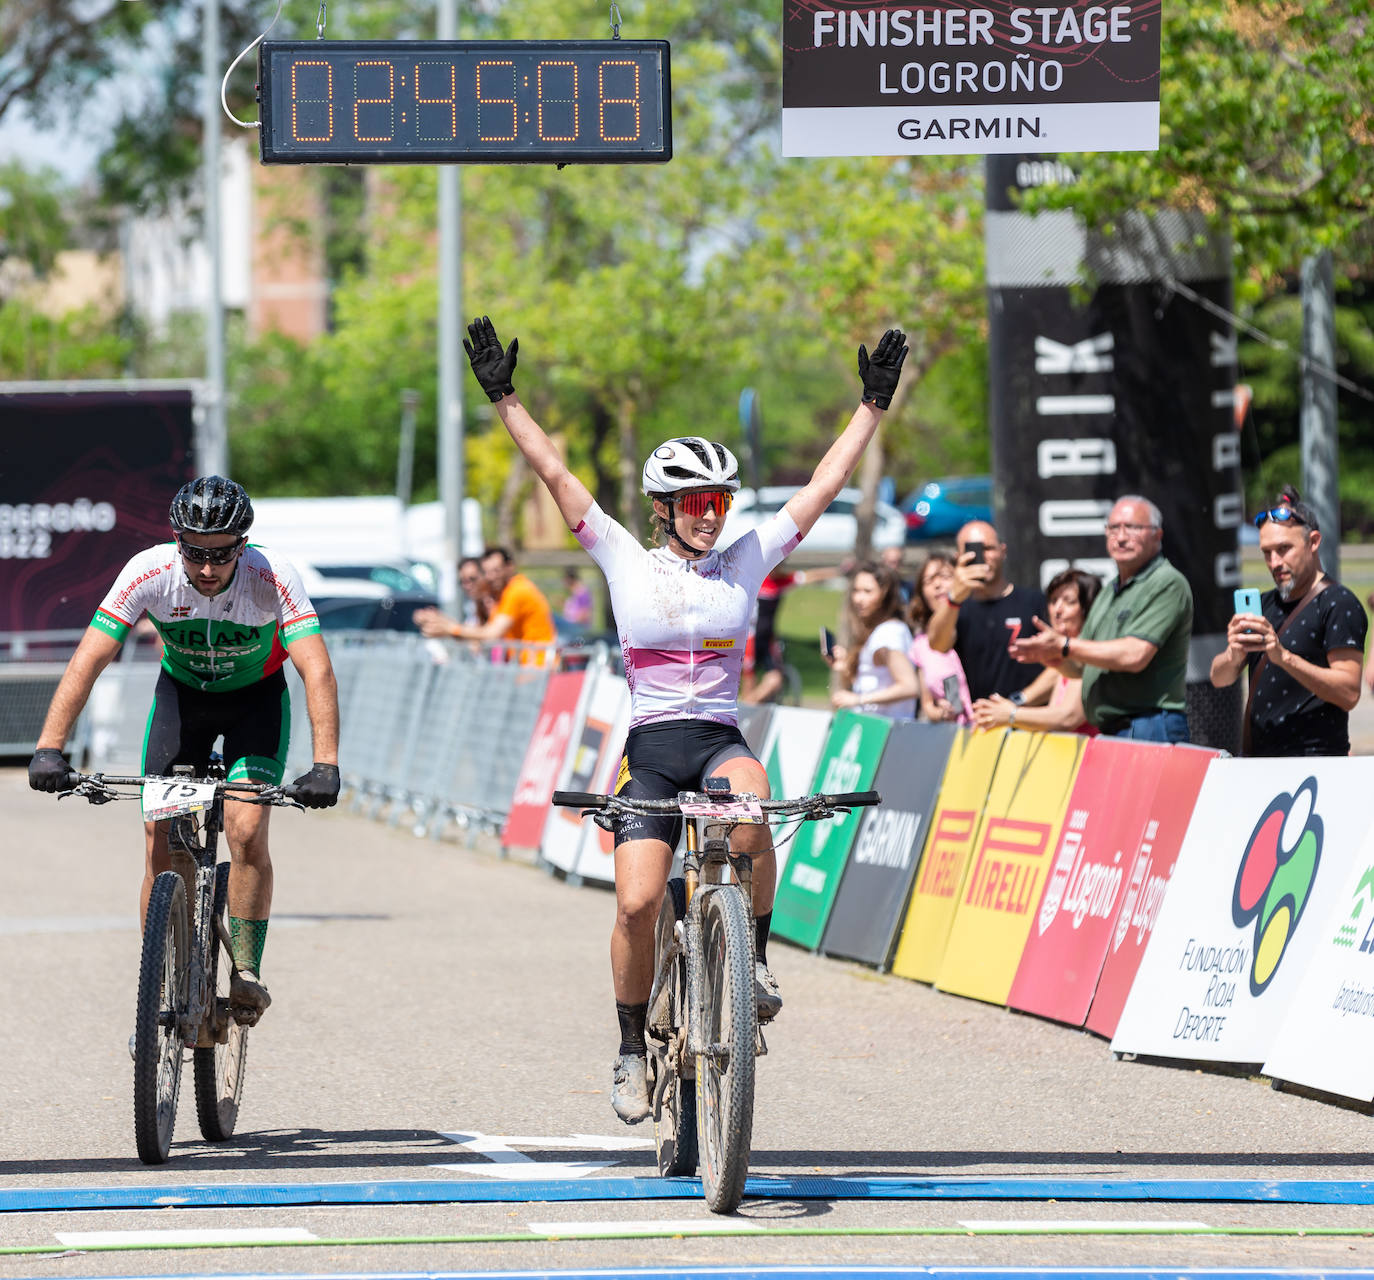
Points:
(255, 722)
(667, 757)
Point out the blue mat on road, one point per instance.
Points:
(472, 1191)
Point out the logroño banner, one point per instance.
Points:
(539, 773)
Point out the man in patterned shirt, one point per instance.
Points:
(1303, 650)
(229, 615)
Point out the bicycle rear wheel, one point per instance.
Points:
(219, 1067)
(162, 994)
(675, 1122)
(729, 1032)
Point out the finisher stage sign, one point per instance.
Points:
(943, 78)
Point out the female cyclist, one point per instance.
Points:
(682, 611)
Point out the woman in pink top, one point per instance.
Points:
(934, 670)
(1070, 595)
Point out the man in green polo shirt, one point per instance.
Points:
(1134, 645)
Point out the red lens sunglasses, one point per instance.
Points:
(696, 501)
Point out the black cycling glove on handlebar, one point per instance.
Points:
(318, 789)
(49, 770)
(882, 371)
(491, 363)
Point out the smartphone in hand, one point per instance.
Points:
(827, 643)
(1247, 600)
(951, 687)
(979, 551)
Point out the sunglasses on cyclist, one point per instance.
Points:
(695, 502)
(210, 555)
(1280, 515)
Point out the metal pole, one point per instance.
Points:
(1320, 449)
(451, 479)
(405, 458)
(212, 446)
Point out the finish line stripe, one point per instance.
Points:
(456, 1191)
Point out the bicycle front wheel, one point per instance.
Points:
(162, 994)
(729, 1031)
(219, 1066)
(675, 1121)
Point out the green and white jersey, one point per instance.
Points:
(222, 642)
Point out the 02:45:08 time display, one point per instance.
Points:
(464, 102)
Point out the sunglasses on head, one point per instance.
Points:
(695, 502)
(1280, 515)
(210, 555)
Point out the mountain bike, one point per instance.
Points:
(702, 1030)
(187, 963)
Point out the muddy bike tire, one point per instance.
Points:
(219, 1068)
(675, 1124)
(729, 1030)
(162, 995)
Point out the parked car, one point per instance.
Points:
(942, 507)
(834, 532)
(362, 604)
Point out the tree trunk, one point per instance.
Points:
(517, 480)
(631, 501)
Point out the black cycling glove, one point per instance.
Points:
(492, 363)
(49, 770)
(318, 789)
(881, 371)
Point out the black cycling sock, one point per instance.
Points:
(632, 1018)
(761, 924)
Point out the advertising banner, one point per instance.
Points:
(808, 884)
(754, 723)
(1170, 811)
(1265, 865)
(877, 879)
(1097, 846)
(87, 480)
(1327, 1040)
(553, 731)
(591, 742)
(958, 811)
(791, 749)
(596, 858)
(1010, 864)
(944, 78)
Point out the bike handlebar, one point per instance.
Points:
(592, 800)
(99, 787)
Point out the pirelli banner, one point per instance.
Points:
(861, 77)
(1127, 389)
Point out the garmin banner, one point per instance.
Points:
(877, 878)
(881, 78)
(87, 481)
(1126, 390)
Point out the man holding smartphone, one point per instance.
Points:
(1303, 645)
(983, 613)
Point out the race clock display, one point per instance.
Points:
(464, 102)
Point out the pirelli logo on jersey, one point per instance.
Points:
(727, 643)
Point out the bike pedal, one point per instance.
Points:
(245, 1015)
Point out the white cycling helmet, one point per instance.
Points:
(690, 462)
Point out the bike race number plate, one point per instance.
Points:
(166, 798)
(739, 810)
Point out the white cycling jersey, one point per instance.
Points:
(683, 623)
(221, 642)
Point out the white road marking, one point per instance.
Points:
(515, 1166)
(672, 1226)
(207, 1235)
(1144, 1226)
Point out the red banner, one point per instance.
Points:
(1169, 814)
(1073, 927)
(539, 773)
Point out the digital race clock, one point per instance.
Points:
(464, 102)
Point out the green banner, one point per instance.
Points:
(811, 877)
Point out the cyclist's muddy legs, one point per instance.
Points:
(748, 775)
(641, 875)
(250, 870)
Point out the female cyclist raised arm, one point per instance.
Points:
(682, 611)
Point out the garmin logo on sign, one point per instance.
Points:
(887, 838)
(969, 129)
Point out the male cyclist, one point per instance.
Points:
(229, 616)
(682, 611)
